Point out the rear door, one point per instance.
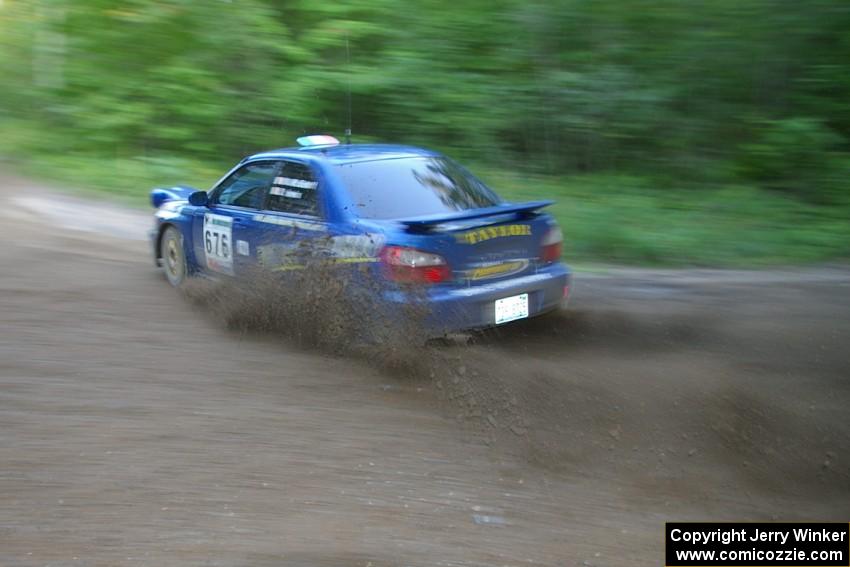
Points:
(291, 228)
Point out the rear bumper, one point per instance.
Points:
(453, 309)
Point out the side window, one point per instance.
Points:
(247, 186)
(294, 190)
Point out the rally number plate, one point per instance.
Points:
(511, 308)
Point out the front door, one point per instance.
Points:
(226, 232)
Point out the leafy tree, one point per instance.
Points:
(757, 90)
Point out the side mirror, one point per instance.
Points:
(198, 198)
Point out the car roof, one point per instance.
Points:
(347, 153)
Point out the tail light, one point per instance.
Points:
(553, 245)
(409, 265)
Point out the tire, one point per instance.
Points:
(173, 256)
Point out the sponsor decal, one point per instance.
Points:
(356, 246)
(218, 236)
(284, 192)
(292, 223)
(496, 270)
(344, 249)
(278, 254)
(292, 182)
(491, 232)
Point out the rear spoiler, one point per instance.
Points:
(425, 223)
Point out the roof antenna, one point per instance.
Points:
(348, 73)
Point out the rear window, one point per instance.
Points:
(412, 187)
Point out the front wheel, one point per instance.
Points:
(173, 257)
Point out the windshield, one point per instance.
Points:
(412, 187)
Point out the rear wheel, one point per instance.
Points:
(173, 257)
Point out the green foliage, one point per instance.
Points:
(628, 219)
(728, 93)
(799, 155)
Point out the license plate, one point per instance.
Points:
(511, 308)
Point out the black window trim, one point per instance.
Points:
(215, 191)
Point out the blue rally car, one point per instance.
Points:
(404, 214)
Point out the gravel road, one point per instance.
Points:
(136, 429)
